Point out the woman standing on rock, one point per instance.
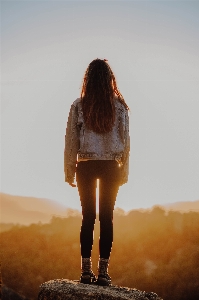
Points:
(97, 146)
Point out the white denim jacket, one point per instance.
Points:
(84, 144)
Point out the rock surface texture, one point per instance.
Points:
(64, 289)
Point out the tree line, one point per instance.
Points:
(152, 251)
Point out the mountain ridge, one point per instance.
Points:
(26, 210)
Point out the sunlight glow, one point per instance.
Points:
(152, 48)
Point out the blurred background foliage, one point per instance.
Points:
(152, 251)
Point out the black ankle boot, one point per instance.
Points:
(103, 276)
(87, 275)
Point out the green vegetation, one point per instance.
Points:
(152, 251)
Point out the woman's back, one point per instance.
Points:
(106, 146)
(98, 123)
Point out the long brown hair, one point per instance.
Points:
(98, 95)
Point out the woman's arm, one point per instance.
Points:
(125, 159)
(71, 145)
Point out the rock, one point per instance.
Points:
(64, 289)
(1, 283)
(8, 294)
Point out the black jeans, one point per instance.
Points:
(108, 173)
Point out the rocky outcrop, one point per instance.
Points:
(1, 283)
(8, 294)
(64, 289)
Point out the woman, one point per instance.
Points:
(97, 146)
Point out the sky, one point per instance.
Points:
(153, 50)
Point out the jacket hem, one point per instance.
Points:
(94, 156)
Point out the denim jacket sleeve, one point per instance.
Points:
(125, 158)
(71, 144)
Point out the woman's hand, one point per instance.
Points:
(72, 184)
(70, 181)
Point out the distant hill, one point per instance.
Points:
(186, 206)
(27, 210)
(183, 207)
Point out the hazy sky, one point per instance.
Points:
(153, 49)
